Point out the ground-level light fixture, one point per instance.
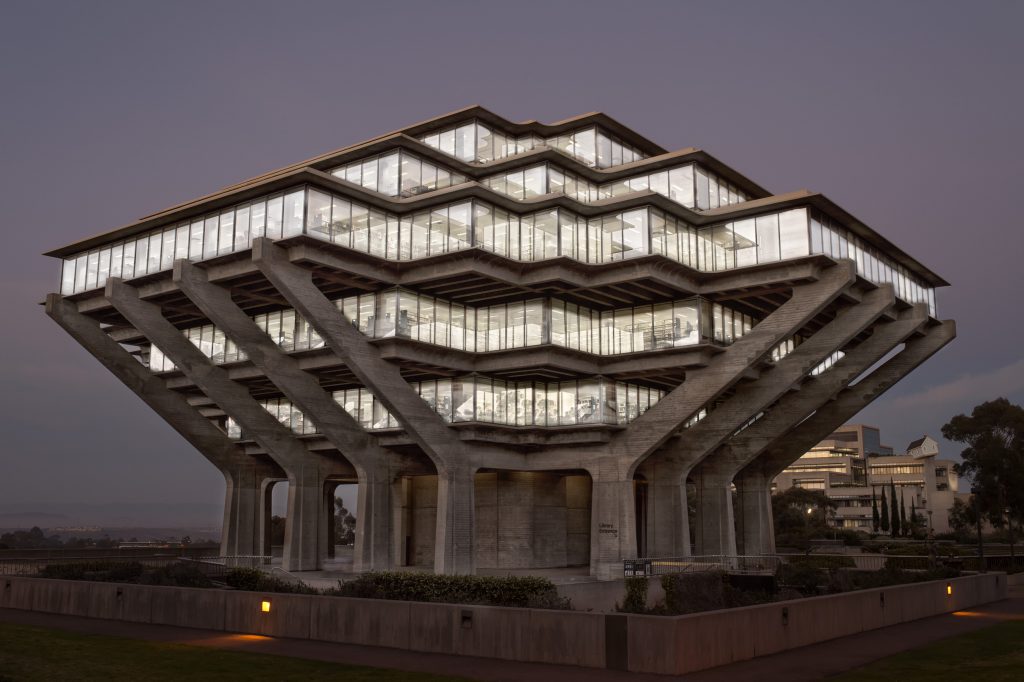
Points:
(949, 589)
(265, 606)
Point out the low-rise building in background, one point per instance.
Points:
(852, 464)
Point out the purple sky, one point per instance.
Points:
(906, 114)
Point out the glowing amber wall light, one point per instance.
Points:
(265, 607)
(949, 589)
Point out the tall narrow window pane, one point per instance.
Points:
(767, 238)
(167, 249)
(226, 235)
(793, 235)
(210, 236)
(274, 217)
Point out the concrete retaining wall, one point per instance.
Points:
(659, 644)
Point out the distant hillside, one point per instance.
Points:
(111, 514)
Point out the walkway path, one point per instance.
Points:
(807, 663)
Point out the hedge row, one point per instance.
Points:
(525, 591)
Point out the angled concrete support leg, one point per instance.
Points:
(454, 551)
(381, 377)
(241, 472)
(302, 388)
(303, 535)
(649, 431)
(853, 399)
(716, 529)
(789, 410)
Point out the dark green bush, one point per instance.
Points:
(693, 592)
(636, 596)
(822, 561)
(176, 575)
(521, 591)
(100, 571)
(804, 577)
(254, 580)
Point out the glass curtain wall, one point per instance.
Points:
(535, 181)
(398, 173)
(678, 184)
(406, 314)
(474, 142)
(832, 239)
(541, 235)
(690, 185)
(476, 398)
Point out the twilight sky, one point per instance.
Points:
(908, 114)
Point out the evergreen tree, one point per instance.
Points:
(903, 515)
(883, 521)
(874, 510)
(915, 522)
(894, 511)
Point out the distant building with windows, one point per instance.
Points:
(852, 462)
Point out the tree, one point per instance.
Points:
(993, 458)
(884, 520)
(277, 530)
(344, 524)
(962, 517)
(874, 510)
(915, 522)
(894, 522)
(903, 514)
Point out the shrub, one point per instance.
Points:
(520, 591)
(255, 580)
(804, 577)
(176, 575)
(101, 571)
(636, 596)
(822, 561)
(693, 592)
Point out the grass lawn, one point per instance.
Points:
(29, 653)
(992, 654)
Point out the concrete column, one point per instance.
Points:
(305, 527)
(716, 528)
(754, 517)
(373, 521)
(612, 520)
(243, 511)
(668, 528)
(453, 544)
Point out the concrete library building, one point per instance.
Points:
(529, 345)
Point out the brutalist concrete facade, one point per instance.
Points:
(528, 344)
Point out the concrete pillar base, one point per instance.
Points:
(716, 531)
(305, 526)
(373, 527)
(754, 497)
(454, 551)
